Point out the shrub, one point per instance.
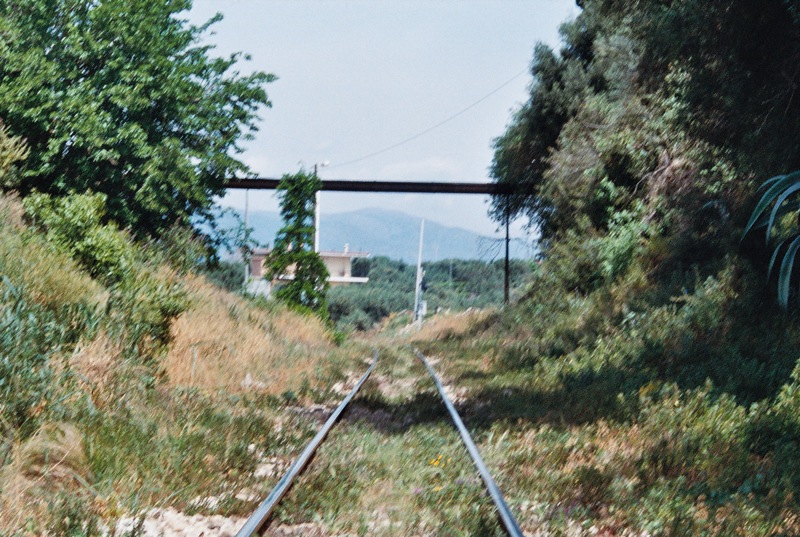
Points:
(143, 300)
(50, 277)
(12, 151)
(75, 224)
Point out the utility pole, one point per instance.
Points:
(316, 207)
(316, 215)
(245, 257)
(419, 304)
(507, 283)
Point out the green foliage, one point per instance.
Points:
(29, 337)
(737, 88)
(658, 100)
(620, 246)
(633, 400)
(780, 192)
(451, 284)
(71, 515)
(228, 275)
(117, 97)
(143, 300)
(75, 224)
(635, 155)
(293, 249)
(521, 153)
(141, 311)
(190, 443)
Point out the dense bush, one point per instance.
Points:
(120, 98)
(77, 225)
(143, 298)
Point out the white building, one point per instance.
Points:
(339, 265)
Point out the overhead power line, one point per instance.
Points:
(429, 129)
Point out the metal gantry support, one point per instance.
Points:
(507, 278)
(405, 187)
(419, 304)
(419, 187)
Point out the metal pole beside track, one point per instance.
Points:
(505, 513)
(263, 511)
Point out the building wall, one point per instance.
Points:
(338, 266)
(257, 266)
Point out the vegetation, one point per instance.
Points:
(642, 382)
(450, 285)
(118, 97)
(646, 371)
(127, 384)
(294, 246)
(779, 191)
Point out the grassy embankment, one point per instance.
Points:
(140, 385)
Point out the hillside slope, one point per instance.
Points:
(651, 378)
(138, 385)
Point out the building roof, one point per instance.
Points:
(344, 254)
(266, 251)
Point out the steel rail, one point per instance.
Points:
(263, 511)
(505, 513)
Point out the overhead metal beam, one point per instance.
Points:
(346, 185)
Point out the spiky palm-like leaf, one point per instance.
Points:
(778, 191)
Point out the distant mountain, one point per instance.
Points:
(392, 234)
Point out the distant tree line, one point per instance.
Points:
(453, 284)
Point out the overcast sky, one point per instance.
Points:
(358, 76)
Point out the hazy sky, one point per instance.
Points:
(358, 76)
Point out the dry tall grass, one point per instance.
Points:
(224, 342)
(451, 325)
(51, 460)
(95, 362)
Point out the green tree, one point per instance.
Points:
(119, 97)
(293, 250)
(521, 153)
(634, 88)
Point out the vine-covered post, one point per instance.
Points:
(303, 275)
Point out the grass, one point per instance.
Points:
(108, 414)
(50, 277)
(623, 409)
(585, 429)
(395, 466)
(48, 465)
(224, 342)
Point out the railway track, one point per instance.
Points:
(262, 513)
